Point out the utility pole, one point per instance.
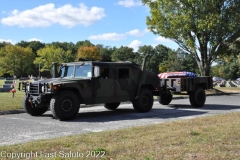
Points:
(39, 70)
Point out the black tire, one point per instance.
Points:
(30, 109)
(112, 106)
(165, 99)
(144, 102)
(65, 105)
(197, 97)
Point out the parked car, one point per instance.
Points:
(218, 79)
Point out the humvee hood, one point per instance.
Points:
(46, 81)
(59, 80)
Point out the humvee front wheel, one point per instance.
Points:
(30, 109)
(197, 97)
(112, 106)
(65, 105)
(165, 99)
(144, 102)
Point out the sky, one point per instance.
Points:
(108, 22)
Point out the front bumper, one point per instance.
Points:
(38, 94)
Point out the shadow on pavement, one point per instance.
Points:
(207, 107)
(131, 114)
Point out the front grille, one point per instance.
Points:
(34, 88)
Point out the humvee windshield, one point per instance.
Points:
(81, 71)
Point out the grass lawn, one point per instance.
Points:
(213, 137)
(228, 89)
(7, 102)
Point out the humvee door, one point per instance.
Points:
(104, 86)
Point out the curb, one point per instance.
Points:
(12, 112)
(86, 106)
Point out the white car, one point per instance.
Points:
(218, 79)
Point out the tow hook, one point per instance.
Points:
(30, 101)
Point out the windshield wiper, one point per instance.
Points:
(80, 65)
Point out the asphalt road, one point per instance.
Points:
(18, 128)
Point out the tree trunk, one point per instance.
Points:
(204, 63)
(204, 68)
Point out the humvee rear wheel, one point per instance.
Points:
(197, 97)
(112, 106)
(65, 105)
(165, 99)
(30, 109)
(144, 102)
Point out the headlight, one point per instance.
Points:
(28, 88)
(42, 88)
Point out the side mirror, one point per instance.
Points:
(96, 71)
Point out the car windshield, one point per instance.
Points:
(81, 70)
(66, 71)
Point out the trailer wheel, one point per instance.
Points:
(65, 105)
(197, 97)
(144, 102)
(30, 108)
(165, 99)
(112, 106)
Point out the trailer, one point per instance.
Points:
(193, 86)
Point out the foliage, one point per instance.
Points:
(16, 60)
(180, 61)
(3, 44)
(50, 54)
(231, 70)
(65, 46)
(106, 52)
(83, 43)
(123, 54)
(227, 67)
(159, 61)
(157, 56)
(88, 52)
(205, 29)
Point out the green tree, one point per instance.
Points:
(204, 29)
(123, 54)
(106, 51)
(157, 56)
(175, 61)
(50, 54)
(152, 63)
(23, 44)
(34, 45)
(3, 44)
(83, 43)
(231, 70)
(16, 60)
(65, 46)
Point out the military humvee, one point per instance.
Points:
(110, 83)
(90, 82)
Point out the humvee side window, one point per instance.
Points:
(104, 73)
(123, 73)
